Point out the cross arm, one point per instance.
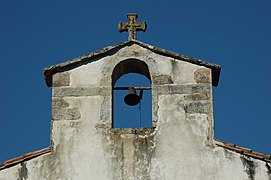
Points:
(123, 26)
(140, 26)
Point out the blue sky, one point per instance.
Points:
(136, 116)
(234, 34)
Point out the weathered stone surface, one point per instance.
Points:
(133, 148)
(140, 132)
(106, 110)
(81, 91)
(162, 79)
(61, 79)
(155, 97)
(59, 102)
(90, 108)
(202, 75)
(132, 51)
(87, 75)
(132, 26)
(197, 107)
(182, 89)
(179, 146)
(197, 96)
(143, 151)
(182, 72)
(250, 167)
(65, 114)
(105, 81)
(160, 53)
(23, 172)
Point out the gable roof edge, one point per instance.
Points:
(214, 67)
(244, 151)
(49, 71)
(26, 157)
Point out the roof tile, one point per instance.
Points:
(25, 157)
(245, 151)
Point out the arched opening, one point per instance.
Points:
(131, 73)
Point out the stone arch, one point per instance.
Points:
(110, 65)
(131, 66)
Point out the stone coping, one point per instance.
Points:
(139, 132)
(49, 71)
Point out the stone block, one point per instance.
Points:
(106, 109)
(202, 76)
(106, 81)
(59, 102)
(201, 88)
(82, 91)
(197, 96)
(61, 79)
(197, 107)
(162, 79)
(65, 114)
(182, 89)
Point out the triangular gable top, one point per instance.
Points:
(49, 71)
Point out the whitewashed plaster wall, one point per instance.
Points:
(179, 146)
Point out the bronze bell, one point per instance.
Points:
(131, 98)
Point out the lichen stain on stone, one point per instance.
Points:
(268, 170)
(65, 114)
(162, 79)
(144, 148)
(202, 76)
(105, 106)
(197, 107)
(249, 167)
(59, 102)
(112, 146)
(61, 79)
(52, 162)
(23, 172)
(229, 154)
(114, 142)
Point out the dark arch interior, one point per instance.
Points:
(130, 66)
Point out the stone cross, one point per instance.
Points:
(132, 26)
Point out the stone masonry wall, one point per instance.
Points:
(179, 146)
